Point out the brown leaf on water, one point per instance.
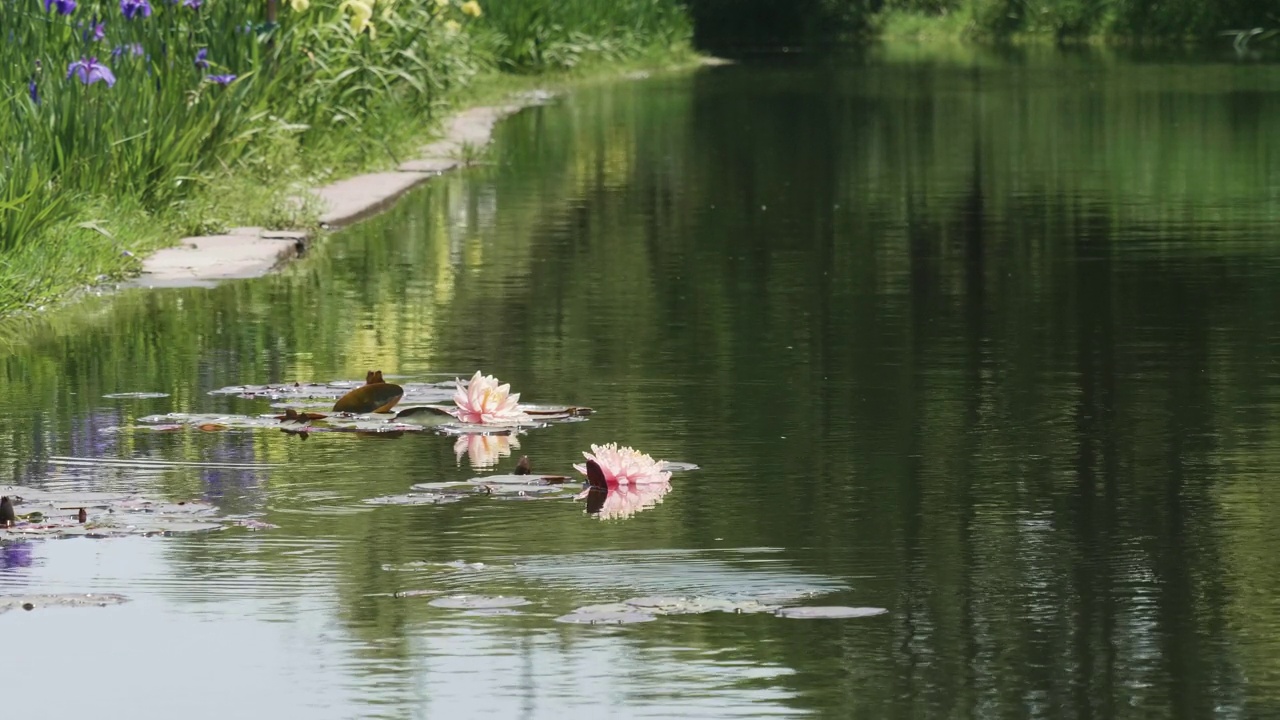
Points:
(374, 398)
(212, 427)
(554, 479)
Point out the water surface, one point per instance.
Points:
(989, 340)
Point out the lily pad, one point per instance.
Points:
(416, 593)
(677, 466)
(535, 480)
(337, 422)
(606, 617)
(492, 612)
(421, 565)
(414, 499)
(106, 515)
(377, 397)
(555, 412)
(254, 524)
(433, 486)
(136, 395)
(33, 602)
(313, 394)
(476, 602)
(829, 612)
(696, 605)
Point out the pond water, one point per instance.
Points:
(988, 340)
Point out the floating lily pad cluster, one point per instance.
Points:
(41, 513)
(377, 406)
(649, 608)
(35, 602)
(482, 413)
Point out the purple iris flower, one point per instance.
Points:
(65, 7)
(193, 4)
(134, 8)
(34, 92)
(95, 32)
(223, 80)
(202, 56)
(91, 71)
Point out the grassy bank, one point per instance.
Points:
(130, 125)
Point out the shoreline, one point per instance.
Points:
(250, 252)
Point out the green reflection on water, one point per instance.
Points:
(986, 340)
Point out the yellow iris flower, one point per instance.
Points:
(471, 7)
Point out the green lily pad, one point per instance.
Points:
(35, 602)
(829, 612)
(475, 602)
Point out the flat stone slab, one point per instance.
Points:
(349, 200)
(204, 261)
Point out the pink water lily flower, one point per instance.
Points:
(482, 401)
(625, 466)
(484, 451)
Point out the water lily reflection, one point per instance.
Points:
(484, 451)
(619, 503)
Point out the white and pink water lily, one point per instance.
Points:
(484, 451)
(483, 401)
(626, 466)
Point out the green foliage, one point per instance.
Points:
(1067, 19)
(200, 94)
(536, 35)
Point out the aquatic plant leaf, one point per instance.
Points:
(414, 499)
(492, 612)
(425, 415)
(425, 565)
(372, 398)
(695, 605)
(415, 593)
(107, 515)
(293, 415)
(617, 617)
(136, 395)
(433, 486)
(300, 395)
(534, 480)
(254, 524)
(474, 602)
(829, 612)
(553, 412)
(35, 602)
(362, 424)
(677, 466)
